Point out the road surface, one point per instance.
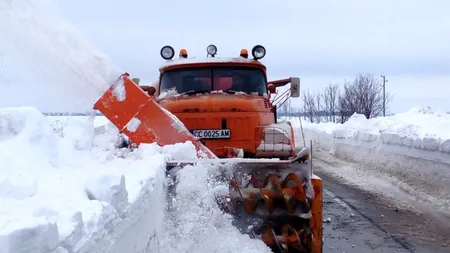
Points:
(359, 221)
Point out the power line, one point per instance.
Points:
(384, 95)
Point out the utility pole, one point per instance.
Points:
(384, 95)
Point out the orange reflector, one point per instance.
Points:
(183, 53)
(244, 52)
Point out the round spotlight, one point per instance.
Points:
(258, 52)
(167, 52)
(211, 50)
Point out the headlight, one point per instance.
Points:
(211, 50)
(258, 52)
(167, 52)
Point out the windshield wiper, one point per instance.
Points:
(193, 92)
(184, 93)
(235, 91)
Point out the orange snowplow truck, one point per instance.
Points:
(228, 110)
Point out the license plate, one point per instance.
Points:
(212, 134)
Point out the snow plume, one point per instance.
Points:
(45, 58)
(194, 220)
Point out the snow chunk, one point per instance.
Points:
(38, 238)
(119, 89)
(421, 110)
(108, 188)
(181, 152)
(167, 93)
(26, 129)
(18, 186)
(133, 125)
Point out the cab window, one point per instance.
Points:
(205, 80)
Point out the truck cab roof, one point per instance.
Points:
(210, 61)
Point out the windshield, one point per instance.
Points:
(204, 80)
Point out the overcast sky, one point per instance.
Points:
(320, 41)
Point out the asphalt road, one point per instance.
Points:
(359, 221)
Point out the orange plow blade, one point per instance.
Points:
(142, 119)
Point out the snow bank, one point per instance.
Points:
(410, 150)
(69, 189)
(72, 191)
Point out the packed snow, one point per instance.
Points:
(62, 187)
(67, 189)
(119, 89)
(409, 150)
(134, 124)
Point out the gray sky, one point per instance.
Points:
(320, 41)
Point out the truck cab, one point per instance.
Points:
(225, 102)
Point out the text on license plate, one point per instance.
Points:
(212, 134)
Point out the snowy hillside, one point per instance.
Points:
(409, 150)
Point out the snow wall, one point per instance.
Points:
(410, 150)
(65, 189)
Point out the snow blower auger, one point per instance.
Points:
(228, 110)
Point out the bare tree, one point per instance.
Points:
(364, 96)
(329, 96)
(309, 105)
(319, 107)
(345, 102)
(326, 105)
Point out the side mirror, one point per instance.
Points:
(151, 90)
(272, 88)
(136, 80)
(295, 87)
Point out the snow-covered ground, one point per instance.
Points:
(64, 188)
(410, 151)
